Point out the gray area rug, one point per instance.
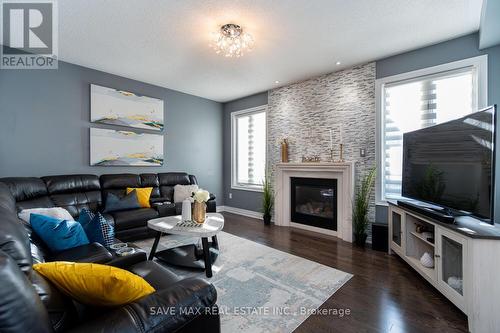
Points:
(261, 289)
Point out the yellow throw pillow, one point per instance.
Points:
(95, 284)
(143, 194)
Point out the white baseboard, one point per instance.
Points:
(239, 211)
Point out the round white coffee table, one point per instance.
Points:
(188, 255)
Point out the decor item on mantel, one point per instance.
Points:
(341, 150)
(199, 210)
(267, 199)
(311, 159)
(361, 206)
(284, 150)
(330, 150)
(341, 146)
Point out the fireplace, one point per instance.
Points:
(314, 202)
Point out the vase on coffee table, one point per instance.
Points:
(199, 212)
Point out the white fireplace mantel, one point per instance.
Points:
(343, 172)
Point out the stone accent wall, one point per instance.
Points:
(305, 112)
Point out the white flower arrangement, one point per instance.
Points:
(201, 196)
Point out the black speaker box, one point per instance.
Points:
(380, 236)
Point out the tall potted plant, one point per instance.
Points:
(267, 199)
(360, 207)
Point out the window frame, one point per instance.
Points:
(234, 146)
(479, 64)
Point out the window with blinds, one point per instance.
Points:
(417, 103)
(248, 148)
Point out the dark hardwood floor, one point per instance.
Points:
(385, 294)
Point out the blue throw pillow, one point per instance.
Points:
(114, 203)
(57, 234)
(97, 228)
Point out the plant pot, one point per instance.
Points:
(267, 219)
(199, 212)
(360, 239)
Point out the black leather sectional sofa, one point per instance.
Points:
(30, 303)
(75, 192)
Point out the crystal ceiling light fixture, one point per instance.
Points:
(231, 41)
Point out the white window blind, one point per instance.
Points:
(249, 148)
(417, 103)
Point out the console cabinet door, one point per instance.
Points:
(451, 266)
(396, 230)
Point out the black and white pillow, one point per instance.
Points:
(97, 228)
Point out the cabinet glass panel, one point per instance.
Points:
(451, 258)
(396, 228)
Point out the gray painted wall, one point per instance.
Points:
(456, 49)
(44, 125)
(249, 200)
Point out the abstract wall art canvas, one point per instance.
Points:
(117, 107)
(124, 148)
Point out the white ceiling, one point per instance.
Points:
(166, 42)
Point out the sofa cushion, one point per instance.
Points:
(21, 310)
(7, 200)
(60, 307)
(35, 203)
(193, 180)
(133, 218)
(74, 192)
(151, 180)
(25, 188)
(174, 178)
(71, 183)
(168, 180)
(167, 192)
(119, 181)
(29, 192)
(14, 239)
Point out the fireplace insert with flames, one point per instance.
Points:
(314, 202)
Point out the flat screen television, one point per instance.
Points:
(451, 165)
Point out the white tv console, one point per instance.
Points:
(466, 261)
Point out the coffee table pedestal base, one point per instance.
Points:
(192, 256)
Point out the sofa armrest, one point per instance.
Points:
(211, 204)
(167, 310)
(93, 253)
(126, 261)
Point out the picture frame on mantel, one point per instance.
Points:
(111, 106)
